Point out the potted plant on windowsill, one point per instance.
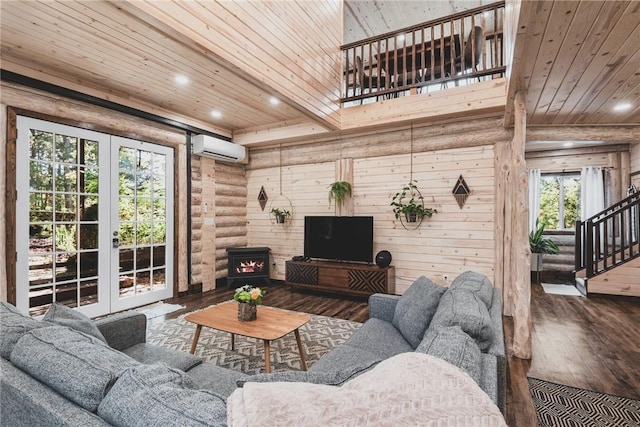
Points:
(409, 203)
(539, 246)
(280, 215)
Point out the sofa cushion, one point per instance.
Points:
(65, 316)
(78, 366)
(380, 338)
(450, 343)
(156, 395)
(415, 309)
(220, 380)
(463, 308)
(336, 377)
(344, 356)
(149, 354)
(13, 325)
(476, 283)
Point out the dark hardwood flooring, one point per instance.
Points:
(591, 343)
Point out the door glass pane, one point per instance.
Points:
(571, 200)
(63, 219)
(142, 215)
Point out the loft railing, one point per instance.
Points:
(460, 48)
(609, 238)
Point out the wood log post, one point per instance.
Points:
(520, 250)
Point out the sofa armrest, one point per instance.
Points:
(124, 330)
(383, 306)
(497, 348)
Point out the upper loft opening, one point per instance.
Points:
(455, 50)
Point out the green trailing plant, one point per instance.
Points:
(280, 214)
(540, 244)
(410, 203)
(338, 191)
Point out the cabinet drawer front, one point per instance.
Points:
(301, 273)
(368, 281)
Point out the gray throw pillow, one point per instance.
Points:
(76, 365)
(452, 344)
(13, 325)
(334, 377)
(416, 308)
(156, 395)
(465, 309)
(477, 283)
(65, 316)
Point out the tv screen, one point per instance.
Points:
(343, 238)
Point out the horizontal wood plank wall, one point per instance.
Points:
(231, 200)
(452, 241)
(49, 107)
(292, 47)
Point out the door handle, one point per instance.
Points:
(116, 242)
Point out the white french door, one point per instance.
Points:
(142, 224)
(75, 195)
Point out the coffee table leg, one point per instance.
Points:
(196, 337)
(267, 356)
(304, 362)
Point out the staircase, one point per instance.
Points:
(607, 250)
(560, 268)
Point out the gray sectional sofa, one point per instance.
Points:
(66, 370)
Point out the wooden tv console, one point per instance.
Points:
(342, 277)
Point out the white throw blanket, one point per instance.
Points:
(408, 389)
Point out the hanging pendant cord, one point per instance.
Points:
(281, 169)
(411, 155)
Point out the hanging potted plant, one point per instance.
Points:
(409, 204)
(540, 245)
(338, 191)
(280, 215)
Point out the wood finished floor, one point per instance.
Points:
(591, 343)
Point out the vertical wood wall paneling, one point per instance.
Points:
(59, 109)
(344, 172)
(208, 207)
(635, 164)
(196, 221)
(231, 200)
(3, 205)
(519, 250)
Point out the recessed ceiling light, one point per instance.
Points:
(623, 106)
(274, 101)
(216, 114)
(568, 144)
(181, 79)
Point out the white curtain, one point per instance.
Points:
(534, 197)
(591, 192)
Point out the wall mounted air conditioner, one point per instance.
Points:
(218, 149)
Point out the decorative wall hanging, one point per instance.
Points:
(280, 209)
(461, 191)
(262, 198)
(408, 203)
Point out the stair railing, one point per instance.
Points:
(609, 238)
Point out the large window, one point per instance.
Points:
(560, 201)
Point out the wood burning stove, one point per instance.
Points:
(248, 265)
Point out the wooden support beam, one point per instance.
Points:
(520, 251)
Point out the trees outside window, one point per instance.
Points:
(559, 201)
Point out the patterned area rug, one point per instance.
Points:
(318, 336)
(560, 405)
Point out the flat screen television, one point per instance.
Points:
(341, 238)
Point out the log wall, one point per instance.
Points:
(452, 241)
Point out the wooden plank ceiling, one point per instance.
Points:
(575, 59)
